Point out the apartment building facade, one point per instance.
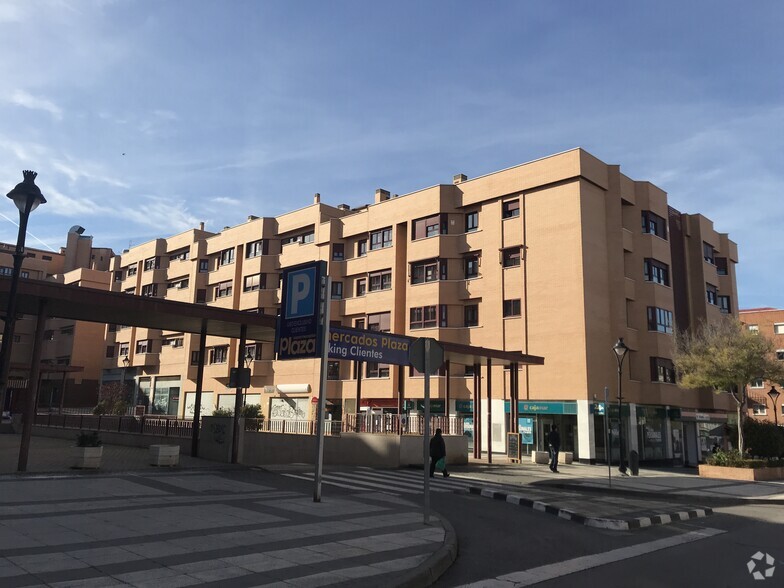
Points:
(768, 322)
(71, 371)
(557, 257)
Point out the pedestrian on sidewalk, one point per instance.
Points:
(437, 452)
(554, 439)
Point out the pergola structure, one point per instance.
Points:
(45, 299)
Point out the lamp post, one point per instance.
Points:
(248, 360)
(620, 350)
(126, 362)
(26, 196)
(774, 396)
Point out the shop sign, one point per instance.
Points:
(361, 345)
(435, 406)
(464, 406)
(543, 407)
(526, 427)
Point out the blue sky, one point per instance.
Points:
(145, 117)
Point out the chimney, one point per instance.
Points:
(382, 195)
(459, 178)
(344, 207)
(316, 198)
(201, 226)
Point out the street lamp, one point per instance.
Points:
(126, 362)
(249, 358)
(620, 350)
(774, 396)
(26, 196)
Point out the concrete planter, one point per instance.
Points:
(565, 457)
(86, 457)
(540, 457)
(749, 474)
(164, 455)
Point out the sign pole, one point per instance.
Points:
(608, 450)
(426, 434)
(326, 285)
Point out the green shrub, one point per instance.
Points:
(763, 439)
(251, 411)
(222, 412)
(88, 439)
(733, 459)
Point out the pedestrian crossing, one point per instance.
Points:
(365, 479)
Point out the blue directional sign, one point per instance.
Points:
(300, 325)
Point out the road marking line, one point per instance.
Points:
(579, 564)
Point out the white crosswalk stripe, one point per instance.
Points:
(390, 481)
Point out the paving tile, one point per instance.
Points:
(257, 562)
(102, 582)
(47, 562)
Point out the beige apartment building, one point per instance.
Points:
(558, 257)
(71, 369)
(770, 323)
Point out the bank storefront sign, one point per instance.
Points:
(543, 407)
(372, 346)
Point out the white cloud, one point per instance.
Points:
(27, 100)
(82, 170)
(226, 200)
(166, 216)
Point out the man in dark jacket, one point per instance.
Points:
(437, 451)
(554, 438)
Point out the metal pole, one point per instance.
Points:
(10, 315)
(426, 434)
(489, 411)
(199, 385)
(235, 437)
(322, 391)
(607, 451)
(32, 388)
(621, 460)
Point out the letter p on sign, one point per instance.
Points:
(301, 294)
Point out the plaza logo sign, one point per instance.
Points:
(300, 325)
(760, 570)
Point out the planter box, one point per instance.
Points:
(164, 455)
(86, 457)
(540, 457)
(565, 457)
(749, 474)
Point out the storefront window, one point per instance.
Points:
(651, 436)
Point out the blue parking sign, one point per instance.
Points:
(300, 324)
(301, 293)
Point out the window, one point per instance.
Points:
(725, 305)
(110, 351)
(132, 270)
(423, 317)
(471, 221)
(131, 290)
(780, 354)
(46, 257)
(659, 320)
(144, 346)
(757, 383)
(194, 358)
(337, 252)
(471, 315)
(656, 271)
(721, 265)
(124, 349)
(226, 257)
(662, 370)
(67, 331)
(376, 370)
(653, 224)
(337, 291)
(178, 283)
(150, 290)
(24, 274)
(428, 227)
(175, 342)
(309, 237)
(511, 257)
(361, 286)
(380, 322)
(359, 324)
(253, 351)
(252, 283)
(255, 249)
(201, 295)
(510, 208)
(759, 409)
(381, 280)
(471, 265)
(381, 239)
(754, 329)
(118, 276)
(152, 263)
(182, 255)
(512, 307)
(112, 328)
(333, 370)
(708, 252)
(223, 289)
(6, 271)
(712, 293)
(431, 270)
(219, 354)
(778, 328)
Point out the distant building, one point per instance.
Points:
(770, 323)
(557, 257)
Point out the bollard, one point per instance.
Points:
(634, 463)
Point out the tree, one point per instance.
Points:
(725, 356)
(112, 399)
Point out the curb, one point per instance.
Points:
(600, 523)
(434, 566)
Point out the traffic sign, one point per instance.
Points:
(416, 355)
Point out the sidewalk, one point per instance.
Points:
(205, 525)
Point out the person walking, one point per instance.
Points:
(554, 439)
(437, 451)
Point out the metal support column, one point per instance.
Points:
(199, 386)
(235, 438)
(32, 388)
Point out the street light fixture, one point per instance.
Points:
(26, 196)
(126, 362)
(249, 358)
(620, 350)
(774, 396)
